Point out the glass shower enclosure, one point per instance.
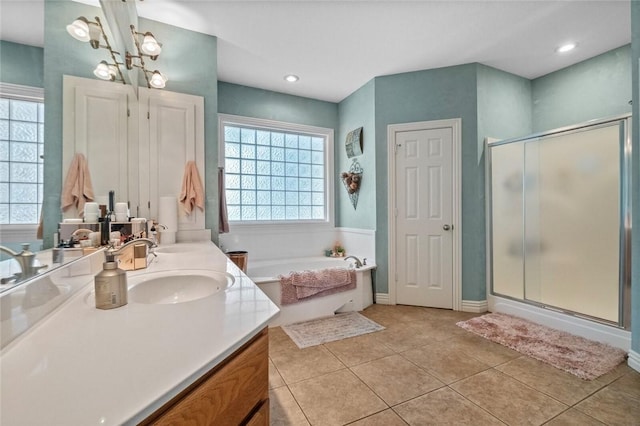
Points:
(560, 220)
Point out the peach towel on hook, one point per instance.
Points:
(192, 194)
(77, 188)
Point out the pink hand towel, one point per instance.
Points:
(77, 188)
(192, 194)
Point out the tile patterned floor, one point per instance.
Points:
(424, 370)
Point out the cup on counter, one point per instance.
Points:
(122, 212)
(91, 217)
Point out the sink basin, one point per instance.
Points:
(178, 248)
(178, 287)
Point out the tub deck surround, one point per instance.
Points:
(265, 273)
(85, 366)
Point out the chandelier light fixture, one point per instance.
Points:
(92, 31)
(146, 46)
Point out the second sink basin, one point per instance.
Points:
(178, 248)
(178, 287)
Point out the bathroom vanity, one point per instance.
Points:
(202, 359)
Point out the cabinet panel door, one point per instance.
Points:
(175, 135)
(96, 124)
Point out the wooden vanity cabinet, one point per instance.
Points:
(235, 392)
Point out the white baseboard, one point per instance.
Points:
(382, 299)
(478, 306)
(634, 360)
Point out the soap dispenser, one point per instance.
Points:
(111, 283)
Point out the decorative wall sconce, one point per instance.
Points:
(150, 48)
(146, 46)
(352, 181)
(92, 31)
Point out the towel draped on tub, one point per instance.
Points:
(301, 286)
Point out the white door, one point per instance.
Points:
(97, 124)
(424, 229)
(174, 136)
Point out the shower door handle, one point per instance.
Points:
(447, 227)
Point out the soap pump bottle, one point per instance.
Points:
(110, 283)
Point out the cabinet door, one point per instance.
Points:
(174, 136)
(96, 123)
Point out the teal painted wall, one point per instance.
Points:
(258, 103)
(357, 110)
(437, 94)
(599, 87)
(504, 105)
(188, 59)
(21, 64)
(635, 249)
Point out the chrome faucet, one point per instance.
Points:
(359, 264)
(154, 230)
(112, 251)
(26, 260)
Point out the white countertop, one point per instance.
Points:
(85, 366)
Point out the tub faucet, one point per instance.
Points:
(26, 260)
(358, 263)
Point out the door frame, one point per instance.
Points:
(455, 124)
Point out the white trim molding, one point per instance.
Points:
(383, 299)
(477, 306)
(456, 126)
(17, 91)
(634, 360)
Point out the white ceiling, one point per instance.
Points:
(337, 46)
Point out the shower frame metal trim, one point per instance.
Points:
(624, 274)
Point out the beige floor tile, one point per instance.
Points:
(629, 383)
(302, 364)
(482, 349)
(563, 386)
(385, 315)
(402, 336)
(573, 417)
(612, 405)
(284, 410)
(395, 380)
(359, 349)
(445, 362)
(443, 406)
(384, 418)
(275, 380)
(279, 341)
(507, 399)
(336, 398)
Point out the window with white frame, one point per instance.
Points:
(21, 154)
(276, 172)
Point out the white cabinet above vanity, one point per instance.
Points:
(136, 143)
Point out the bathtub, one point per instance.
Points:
(265, 274)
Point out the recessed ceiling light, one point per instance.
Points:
(566, 47)
(291, 78)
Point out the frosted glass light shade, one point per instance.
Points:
(150, 45)
(104, 71)
(79, 29)
(158, 80)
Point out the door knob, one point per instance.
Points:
(447, 227)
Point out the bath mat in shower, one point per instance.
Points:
(324, 330)
(576, 355)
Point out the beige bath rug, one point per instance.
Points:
(576, 355)
(323, 330)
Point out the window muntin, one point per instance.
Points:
(21, 159)
(275, 174)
